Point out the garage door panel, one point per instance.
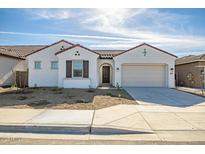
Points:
(143, 75)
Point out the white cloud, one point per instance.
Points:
(119, 21)
(56, 14)
(142, 25)
(69, 36)
(169, 43)
(123, 28)
(110, 17)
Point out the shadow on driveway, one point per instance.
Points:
(164, 96)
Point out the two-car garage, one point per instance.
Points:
(143, 75)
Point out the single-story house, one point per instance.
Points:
(12, 59)
(68, 65)
(189, 72)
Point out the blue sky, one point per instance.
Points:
(179, 31)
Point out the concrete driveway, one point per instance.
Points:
(164, 96)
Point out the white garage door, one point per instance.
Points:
(143, 75)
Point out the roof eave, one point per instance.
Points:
(76, 45)
(10, 56)
(193, 61)
(149, 46)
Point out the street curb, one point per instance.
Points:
(46, 129)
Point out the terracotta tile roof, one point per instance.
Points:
(190, 59)
(19, 51)
(49, 46)
(108, 54)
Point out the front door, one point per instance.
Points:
(106, 74)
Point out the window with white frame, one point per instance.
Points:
(37, 65)
(54, 65)
(77, 68)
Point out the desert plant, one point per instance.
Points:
(14, 85)
(118, 86)
(54, 89)
(109, 94)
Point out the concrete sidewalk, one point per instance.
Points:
(151, 123)
(141, 123)
(59, 121)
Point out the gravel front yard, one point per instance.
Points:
(57, 98)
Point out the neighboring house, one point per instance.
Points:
(188, 72)
(12, 59)
(68, 65)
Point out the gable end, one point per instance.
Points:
(48, 46)
(149, 46)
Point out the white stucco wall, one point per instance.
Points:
(45, 77)
(92, 81)
(103, 62)
(8, 66)
(153, 56)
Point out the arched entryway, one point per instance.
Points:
(106, 74)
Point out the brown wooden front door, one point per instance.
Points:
(106, 74)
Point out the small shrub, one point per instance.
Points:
(91, 90)
(118, 86)
(109, 94)
(81, 101)
(55, 89)
(39, 103)
(14, 85)
(58, 92)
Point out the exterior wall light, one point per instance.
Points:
(117, 69)
(202, 72)
(171, 70)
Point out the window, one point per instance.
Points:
(54, 65)
(77, 68)
(37, 65)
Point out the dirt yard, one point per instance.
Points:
(58, 98)
(195, 91)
